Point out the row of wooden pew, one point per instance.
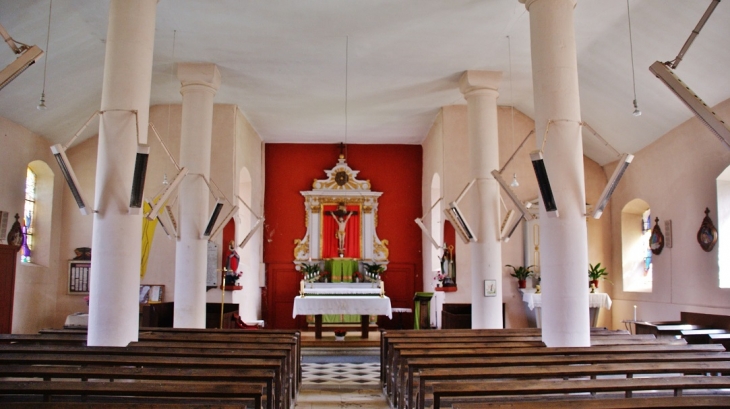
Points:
(184, 367)
(513, 368)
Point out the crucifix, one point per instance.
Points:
(341, 216)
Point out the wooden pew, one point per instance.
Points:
(677, 384)
(121, 360)
(226, 391)
(396, 344)
(700, 336)
(686, 402)
(417, 364)
(387, 335)
(46, 372)
(109, 405)
(567, 371)
(395, 349)
(210, 337)
(518, 355)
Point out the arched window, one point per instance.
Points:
(29, 215)
(635, 251)
(37, 213)
(723, 226)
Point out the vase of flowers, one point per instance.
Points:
(373, 271)
(309, 271)
(340, 334)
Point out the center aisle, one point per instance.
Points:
(344, 377)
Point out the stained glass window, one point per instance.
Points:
(28, 215)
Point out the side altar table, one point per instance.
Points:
(358, 299)
(595, 302)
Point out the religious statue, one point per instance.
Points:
(231, 273)
(448, 267)
(340, 234)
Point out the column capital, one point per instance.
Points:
(472, 81)
(529, 3)
(205, 74)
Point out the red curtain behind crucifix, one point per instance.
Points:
(330, 228)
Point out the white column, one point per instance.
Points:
(480, 90)
(199, 85)
(564, 240)
(114, 282)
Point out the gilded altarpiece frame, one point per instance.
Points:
(341, 186)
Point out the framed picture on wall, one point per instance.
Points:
(490, 288)
(78, 276)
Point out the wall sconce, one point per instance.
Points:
(456, 217)
(548, 200)
(68, 173)
(213, 217)
(259, 223)
(27, 56)
(140, 172)
(623, 163)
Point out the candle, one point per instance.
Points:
(634, 313)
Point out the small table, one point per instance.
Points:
(363, 305)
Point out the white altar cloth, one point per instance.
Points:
(595, 300)
(332, 304)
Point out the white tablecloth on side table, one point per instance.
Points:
(357, 305)
(595, 300)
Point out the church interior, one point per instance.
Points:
(448, 165)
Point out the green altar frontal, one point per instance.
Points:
(341, 269)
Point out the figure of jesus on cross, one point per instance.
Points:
(340, 234)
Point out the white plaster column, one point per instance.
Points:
(564, 240)
(314, 232)
(200, 81)
(114, 281)
(480, 90)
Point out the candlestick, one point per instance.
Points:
(634, 313)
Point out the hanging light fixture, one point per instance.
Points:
(42, 105)
(514, 181)
(637, 111)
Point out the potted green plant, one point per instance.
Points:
(596, 273)
(521, 273)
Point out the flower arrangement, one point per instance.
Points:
(325, 276)
(357, 276)
(373, 271)
(310, 271)
(340, 332)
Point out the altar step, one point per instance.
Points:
(352, 340)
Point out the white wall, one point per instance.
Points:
(35, 283)
(676, 175)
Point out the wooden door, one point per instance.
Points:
(8, 256)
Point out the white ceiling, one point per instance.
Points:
(284, 63)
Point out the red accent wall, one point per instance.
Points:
(395, 170)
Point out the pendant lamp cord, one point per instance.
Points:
(631, 47)
(45, 60)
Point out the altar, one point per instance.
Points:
(596, 301)
(362, 305)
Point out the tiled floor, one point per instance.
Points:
(350, 384)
